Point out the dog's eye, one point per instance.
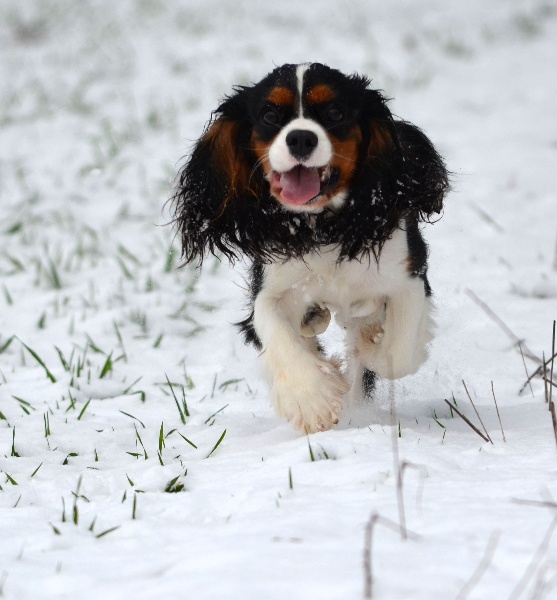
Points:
(270, 117)
(334, 114)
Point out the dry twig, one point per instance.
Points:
(528, 378)
(476, 411)
(466, 420)
(541, 503)
(423, 474)
(368, 565)
(553, 418)
(545, 386)
(539, 371)
(497, 409)
(552, 363)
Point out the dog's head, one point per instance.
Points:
(312, 126)
(306, 140)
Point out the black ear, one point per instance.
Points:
(215, 176)
(425, 176)
(378, 129)
(400, 155)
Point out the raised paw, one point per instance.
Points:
(373, 332)
(311, 397)
(315, 321)
(378, 352)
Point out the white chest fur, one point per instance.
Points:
(350, 288)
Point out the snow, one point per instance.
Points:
(99, 101)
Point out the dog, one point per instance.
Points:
(309, 176)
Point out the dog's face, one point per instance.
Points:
(308, 132)
(305, 158)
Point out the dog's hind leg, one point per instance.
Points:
(400, 347)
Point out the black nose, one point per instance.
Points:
(301, 142)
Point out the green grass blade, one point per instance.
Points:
(10, 479)
(85, 407)
(100, 535)
(182, 416)
(40, 361)
(107, 367)
(62, 359)
(161, 438)
(6, 344)
(216, 413)
(36, 470)
(217, 444)
(311, 455)
(135, 419)
(188, 441)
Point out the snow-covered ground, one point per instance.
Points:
(107, 489)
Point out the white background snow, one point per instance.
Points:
(99, 101)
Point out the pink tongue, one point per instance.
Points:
(300, 185)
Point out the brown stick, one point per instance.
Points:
(368, 571)
(539, 371)
(476, 411)
(553, 418)
(552, 362)
(540, 503)
(368, 542)
(525, 369)
(545, 386)
(453, 407)
(497, 409)
(423, 474)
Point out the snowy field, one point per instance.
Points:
(139, 454)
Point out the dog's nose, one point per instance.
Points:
(301, 142)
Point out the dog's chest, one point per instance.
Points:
(352, 285)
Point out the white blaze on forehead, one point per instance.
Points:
(300, 72)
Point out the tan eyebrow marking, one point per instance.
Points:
(282, 96)
(319, 94)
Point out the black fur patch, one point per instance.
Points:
(417, 253)
(368, 383)
(246, 326)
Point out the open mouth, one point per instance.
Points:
(304, 185)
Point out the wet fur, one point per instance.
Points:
(223, 204)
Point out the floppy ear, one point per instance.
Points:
(216, 176)
(425, 176)
(400, 175)
(378, 130)
(401, 156)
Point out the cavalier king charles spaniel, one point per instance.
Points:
(309, 176)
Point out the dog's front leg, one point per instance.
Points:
(397, 347)
(306, 389)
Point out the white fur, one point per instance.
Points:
(384, 310)
(300, 72)
(279, 154)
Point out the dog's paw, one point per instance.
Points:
(373, 333)
(368, 347)
(310, 397)
(378, 352)
(315, 321)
